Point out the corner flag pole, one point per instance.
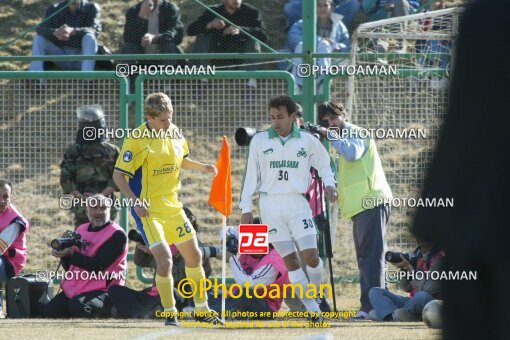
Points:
(220, 198)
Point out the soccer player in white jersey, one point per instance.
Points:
(278, 168)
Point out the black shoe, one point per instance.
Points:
(324, 305)
(172, 321)
(209, 317)
(315, 319)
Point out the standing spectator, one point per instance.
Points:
(217, 36)
(153, 26)
(87, 167)
(13, 244)
(71, 31)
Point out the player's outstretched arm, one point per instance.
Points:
(190, 164)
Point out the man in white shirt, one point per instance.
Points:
(278, 168)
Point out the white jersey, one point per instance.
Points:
(278, 167)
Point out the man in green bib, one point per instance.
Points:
(363, 190)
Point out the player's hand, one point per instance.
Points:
(247, 218)
(231, 30)
(62, 253)
(141, 211)
(216, 24)
(332, 194)
(210, 169)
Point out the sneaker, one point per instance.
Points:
(315, 319)
(360, 316)
(402, 314)
(372, 315)
(207, 316)
(324, 305)
(172, 321)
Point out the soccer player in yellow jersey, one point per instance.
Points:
(152, 164)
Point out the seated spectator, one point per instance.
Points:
(349, 10)
(268, 269)
(13, 244)
(384, 9)
(214, 35)
(389, 306)
(153, 27)
(143, 304)
(293, 12)
(103, 252)
(332, 36)
(71, 31)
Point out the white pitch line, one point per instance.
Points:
(155, 336)
(319, 336)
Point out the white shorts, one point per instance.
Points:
(288, 216)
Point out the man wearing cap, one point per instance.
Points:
(361, 180)
(87, 167)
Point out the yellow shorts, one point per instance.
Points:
(167, 222)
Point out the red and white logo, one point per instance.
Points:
(253, 239)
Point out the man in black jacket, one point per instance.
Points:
(218, 36)
(72, 30)
(153, 26)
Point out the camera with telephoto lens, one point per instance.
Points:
(72, 238)
(244, 135)
(135, 236)
(313, 129)
(394, 257)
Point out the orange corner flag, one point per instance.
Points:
(220, 197)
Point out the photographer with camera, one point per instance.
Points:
(143, 304)
(389, 306)
(267, 269)
(278, 168)
(360, 176)
(13, 245)
(95, 258)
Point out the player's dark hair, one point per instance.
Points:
(283, 100)
(4, 182)
(331, 107)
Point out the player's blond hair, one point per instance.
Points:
(157, 103)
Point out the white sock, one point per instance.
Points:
(298, 278)
(315, 275)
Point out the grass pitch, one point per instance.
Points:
(155, 329)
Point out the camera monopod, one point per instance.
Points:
(322, 221)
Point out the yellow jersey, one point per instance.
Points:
(152, 161)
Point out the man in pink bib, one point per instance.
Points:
(97, 264)
(13, 244)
